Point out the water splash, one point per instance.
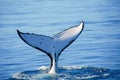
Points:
(65, 73)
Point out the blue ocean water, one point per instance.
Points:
(95, 55)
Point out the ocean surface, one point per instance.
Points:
(95, 55)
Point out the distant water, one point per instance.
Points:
(95, 55)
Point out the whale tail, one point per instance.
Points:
(52, 46)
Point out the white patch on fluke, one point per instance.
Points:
(52, 46)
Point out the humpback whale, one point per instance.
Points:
(52, 46)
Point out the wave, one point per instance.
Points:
(66, 73)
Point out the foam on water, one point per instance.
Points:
(65, 73)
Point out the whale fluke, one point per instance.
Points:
(52, 46)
